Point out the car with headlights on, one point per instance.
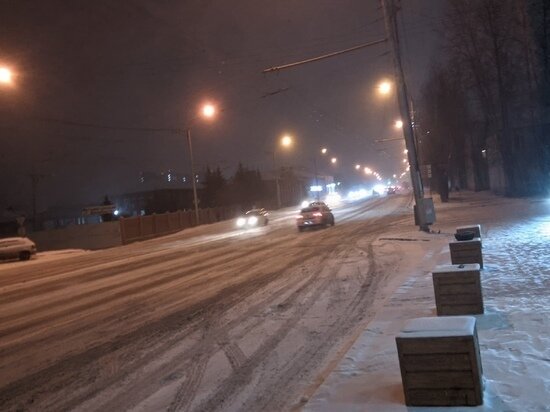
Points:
(314, 216)
(253, 218)
(21, 248)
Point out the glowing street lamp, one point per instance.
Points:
(384, 87)
(333, 160)
(286, 140)
(368, 171)
(208, 111)
(398, 124)
(357, 167)
(324, 150)
(6, 76)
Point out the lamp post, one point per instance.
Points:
(286, 141)
(277, 183)
(316, 178)
(193, 176)
(333, 160)
(208, 111)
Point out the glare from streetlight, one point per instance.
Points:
(6, 76)
(368, 171)
(286, 140)
(394, 176)
(405, 151)
(357, 167)
(384, 87)
(324, 150)
(398, 124)
(209, 110)
(333, 160)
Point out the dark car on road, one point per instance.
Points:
(314, 216)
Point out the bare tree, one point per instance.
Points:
(497, 52)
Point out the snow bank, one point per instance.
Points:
(514, 332)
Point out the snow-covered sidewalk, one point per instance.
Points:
(514, 331)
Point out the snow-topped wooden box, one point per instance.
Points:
(466, 251)
(457, 289)
(470, 228)
(440, 362)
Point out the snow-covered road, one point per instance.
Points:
(211, 318)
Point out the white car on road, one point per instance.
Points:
(253, 218)
(21, 248)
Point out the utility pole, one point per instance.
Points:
(277, 182)
(193, 178)
(316, 177)
(390, 10)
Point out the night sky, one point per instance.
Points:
(88, 70)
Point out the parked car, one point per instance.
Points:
(316, 215)
(21, 248)
(253, 218)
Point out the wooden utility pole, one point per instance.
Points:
(389, 10)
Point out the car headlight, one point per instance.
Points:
(252, 221)
(241, 221)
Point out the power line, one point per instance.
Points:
(325, 56)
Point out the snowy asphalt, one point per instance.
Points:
(214, 318)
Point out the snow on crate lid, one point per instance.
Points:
(465, 267)
(463, 242)
(439, 326)
(471, 227)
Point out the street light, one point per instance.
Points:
(333, 160)
(357, 167)
(286, 140)
(324, 150)
(6, 76)
(384, 87)
(398, 124)
(208, 111)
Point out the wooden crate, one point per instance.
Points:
(470, 228)
(466, 251)
(457, 290)
(440, 362)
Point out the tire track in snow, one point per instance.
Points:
(297, 250)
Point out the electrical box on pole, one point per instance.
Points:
(424, 210)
